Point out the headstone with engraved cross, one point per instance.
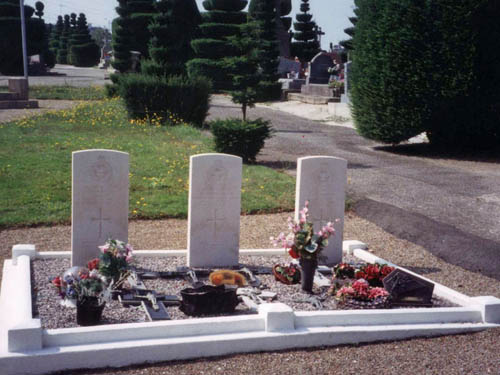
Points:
(214, 210)
(321, 180)
(99, 201)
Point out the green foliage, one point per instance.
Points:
(241, 138)
(214, 49)
(62, 52)
(306, 45)
(11, 57)
(263, 13)
(130, 31)
(172, 30)
(84, 51)
(435, 72)
(160, 97)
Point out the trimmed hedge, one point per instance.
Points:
(240, 138)
(219, 16)
(144, 96)
(227, 5)
(212, 48)
(219, 30)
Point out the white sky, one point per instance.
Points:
(330, 15)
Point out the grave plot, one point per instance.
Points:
(27, 347)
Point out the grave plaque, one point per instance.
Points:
(99, 202)
(321, 180)
(406, 289)
(318, 69)
(214, 210)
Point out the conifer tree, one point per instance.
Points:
(11, 57)
(130, 31)
(84, 51)
(55, 35)
(172, 30)
(122, 38)
(263, 14)
(221, 22)
(39, 9)
(62, 52)
(307, 44)
(244, 67)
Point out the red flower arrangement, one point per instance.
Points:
(374, 273)
(361, 290)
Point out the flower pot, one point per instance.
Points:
(89, 311)
(307, 271)
(208, 300)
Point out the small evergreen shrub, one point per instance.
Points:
(240, 138)
(148, 96)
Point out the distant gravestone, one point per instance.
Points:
(214, 210)
(347, 82)
(318, 69)
(99, 202)
(321, 180)
(287, 66)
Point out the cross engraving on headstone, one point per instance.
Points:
(216, 221)
(100, 219)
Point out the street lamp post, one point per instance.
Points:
(23, 36)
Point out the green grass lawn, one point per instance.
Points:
(64, 92)
(35, 165)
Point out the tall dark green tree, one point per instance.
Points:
(39, 6)
(56, 34)
(263, 14)
(306, 44)
(130, 31)
(62, 52)
(348, 43)
(427, 66)
(11, 57)
(172, 31)
(122, 38)
(390, 69)
(244, 67)
(84, 51)
(213, 49)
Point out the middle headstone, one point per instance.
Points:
(321, 180)
(214, 210)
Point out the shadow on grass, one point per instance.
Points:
(425, 150)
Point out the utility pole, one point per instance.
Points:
(23, 37)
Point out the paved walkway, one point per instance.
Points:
(450, 207)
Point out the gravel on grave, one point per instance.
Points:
(47, 305)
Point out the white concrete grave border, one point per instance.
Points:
(26, 348)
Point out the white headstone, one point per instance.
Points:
(214, 210)
(321, 180)
(99, 202)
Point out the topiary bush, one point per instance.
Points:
(240, 138)
(147, 96)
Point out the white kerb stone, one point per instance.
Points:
(321, 180)
(214, 210)
(99, 201)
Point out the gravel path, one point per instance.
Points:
(459, 354)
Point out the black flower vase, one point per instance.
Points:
(307, 271)
(89, 311)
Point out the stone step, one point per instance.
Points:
(18, 104)
(318, 90)
(313, 99)
(8, 96)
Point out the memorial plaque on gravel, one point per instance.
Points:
(214, 210)
(99, 201)
(321, 180)
(406, 289)
(318, 69)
